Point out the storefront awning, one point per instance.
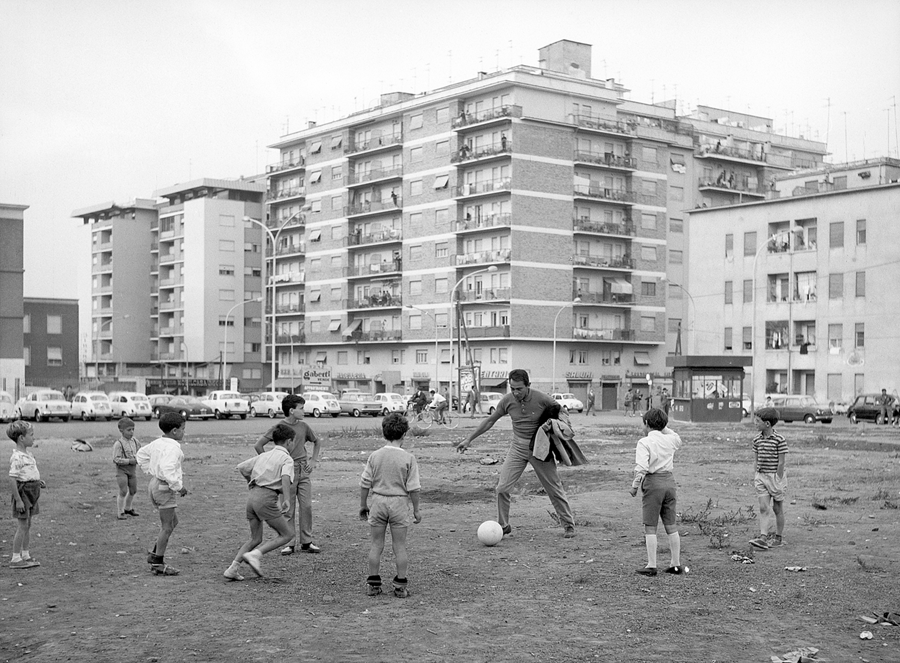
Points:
(493, 383)
(284, 384)
(620, 286)
(352, 327)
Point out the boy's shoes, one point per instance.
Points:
(570, 532)
(121, 516)
(287, 550)
(676, 570)
(164, 570)
(253, 558)
(775, 541)
(24, 564)
(647, 571)
(132, 512)
(373, 590)
(310, 548)
(31, 560)
(401, 592)
(759, 542)
(233, 572)
(507, 530)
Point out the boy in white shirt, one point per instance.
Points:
(26, 491)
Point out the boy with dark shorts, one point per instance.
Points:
(653, 465)
(26, 491)
(770, 481)
(124, 457)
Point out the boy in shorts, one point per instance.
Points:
(124, 450)
(392, 476)
(26, 491)
(653, 465)
(269, 476)
(162, 459)
(770, 482)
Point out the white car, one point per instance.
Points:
(568, 402)
(267, 404)
(321, 402)
(489, 400)
(391, 402)
(130, 404)
(42, 405)
(7, 407)
(226, 404)
(88, 405)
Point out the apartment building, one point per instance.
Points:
(50, 338)
(12, 270)
(176, 288)
(537, 206)
(799, 281)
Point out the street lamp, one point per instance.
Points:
(437, 382)
(577, 300)
(274, 239)
(225, 347)
(492, 268)
(753, 326)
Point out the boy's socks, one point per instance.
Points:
(373, 585)
(675, 548)
(400, 587)
(650, 540)
(16, 557)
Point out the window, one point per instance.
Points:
(226, 295)
(729, 292)
(336, 203)
(336, 173)
(860, 231)
(415, 188)
(315, 236)
(316, 147)
(316, 205)
(441, 285)
(748, 291)
(226, 270)
(415, 155)
(648, 288)
(334, 325)
(610, 357)
(441, 250)
(415, 321)
(415, 287)
(648, 253)
(315, 326)
(336, 142)
(747, 338)
(343, 357)
(859, 335)
(442, 115)
(315, 177)
(442, 147)
(336, 232)
(860, 284)
(648, 221)
(226, 220)
(676, 257)
(251, 373)
(26, 323)
(441, 320)
(578, 357)
(421, 356)
(750, 244)
(673, 325)
(54, 324)
(415, 252)
(54, 356)
(441, 216)
(728, 345)
(26, 355)
(441, 181)
(675, 291)
(676, 226)
(835, 286)
(676, 193)
(224, 321)
(415, 121)
(836, 235)
(648, 323)
(648, 154)
(336, 294)
(226, 245)
(729, 245)
(250, 247)
(835, 337)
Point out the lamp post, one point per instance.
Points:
(225, 347)
(690, 318)
(492, 268)
(184, 372)
(753, 326)
(437, 382)
(562, 308)
(273, 237)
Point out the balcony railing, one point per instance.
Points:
(295, 221)
(604, 334)
(623, 262)
(390, 335)
(378, 300)
(723, 183)
(466, 153)
(285, 165)
(499, 113)
(621, 229)
(374, 174)
(289, 277)
(374, 206)
(282, 194)
(588, 297)
(170, 356)
(481, 257)
(604, 193)
(485, 295)
(606, 159)
(722, 151)
(356, 238)
(374, 269)
(488, 332)
(606, 126)
(378, 142)
(173, 330)
(169, 306)
(504, 184)
(288, 249)
(290, 339)
(482, 222)
(289, 308)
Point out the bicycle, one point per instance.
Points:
(428, 417)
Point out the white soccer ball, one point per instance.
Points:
(490, 533)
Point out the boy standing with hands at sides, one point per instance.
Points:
(770, 482)
(124, 457)
(269, 477)
(653, 465)
(26, 490)
(392, 475)
(162, 459)
(292, 406)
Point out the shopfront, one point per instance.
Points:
(707, 388)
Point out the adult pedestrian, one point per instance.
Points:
(529, 409)
(665, 401)
(886, 401)
(590, 403)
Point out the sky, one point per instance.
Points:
(103, 100)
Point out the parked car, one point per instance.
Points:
(267, 404)
(489, 400)
(568, 402)
(189, 407)
(391, 402)
(157, 400)
(88, 405)
(866, 407)
(801, 408)
(7, 407)
(357, 404)
(42, 405)
(321, 402)
(225, 404)
(130, 404)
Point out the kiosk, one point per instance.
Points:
(706, 387)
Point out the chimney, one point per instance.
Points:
(311, 124)
(566, 57)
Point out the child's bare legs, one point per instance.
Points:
(764, 514)
(377, 534)
(132, 490)
(778, 510)
(121, 504)
(282, 527)
(401, 557)
(22, 536)
(168, 521)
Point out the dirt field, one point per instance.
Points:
(534, 597)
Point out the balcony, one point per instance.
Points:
(603, 334)
(585, 225)
(756, 156)
(285, 165)
(297, 307)
(598, 192)
(606, 160)
(723, 184)
(169, 306)
(495, 331)
(170, 356)
(285, 194)
(375, 269)
(623, 262)
(483, 257)
(484, 295)
(482, 188)
(289, 277)
(102, 267)
(290, 339)
(374, 175)
(389, 335)
(484, 222)
(387, 235)
(489, 116)
(288, 249)
(466, 154)
(167, 258)
(605, 298)
(392, 204)
(379, 300)
(169, 282)
(173, 330)
(295, 221)
(604, 126)
(384, 142)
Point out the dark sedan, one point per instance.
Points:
(188, 407)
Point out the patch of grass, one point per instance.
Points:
(355, 432)
(810, 521)
(717, 528)
(880, 495)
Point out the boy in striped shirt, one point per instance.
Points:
(770, 481)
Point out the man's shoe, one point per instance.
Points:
(310, 548)
(401, 592)
(132, 512)
(373, 590)
(759, 542)
(775, 541)
(287, 550)
(507, 530)
(570, 533)
(647, 571)
(253, 559)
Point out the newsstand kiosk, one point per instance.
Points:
(707, 387)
